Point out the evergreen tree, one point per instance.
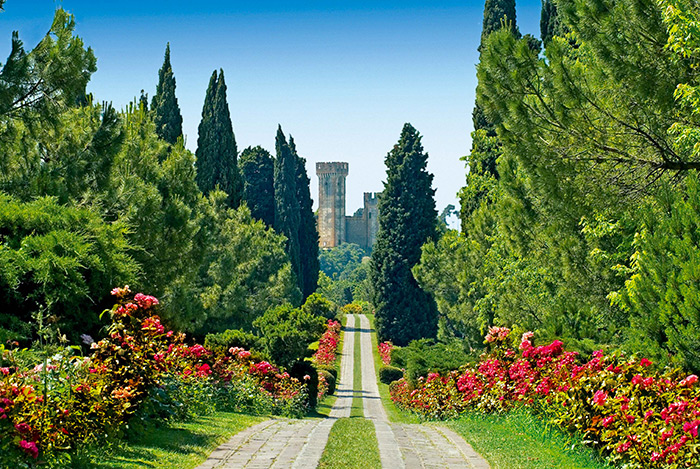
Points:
(308, 233)
(549, 21)
(287, 217)
(166, 111)
(257, 171)
(216, 146)
(407, 220)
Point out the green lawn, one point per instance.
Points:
(352, 443)
(394, 414)
(181, 445)
(520, 440)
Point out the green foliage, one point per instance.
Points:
(407, 220)
(308, 233)
(287, 208)
(286, 333)
(330, 380)
(166, 111)
(319, 306)
(424, 356)
(336, 262)
(217, 154)
(663, 292)
(220, 343)
(244, 272)
(306, 373)
(389, 374)
(257, 171)
(58, 260)
(52, 76)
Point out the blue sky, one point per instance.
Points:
(341, 77)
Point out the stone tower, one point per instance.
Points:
(331, 203)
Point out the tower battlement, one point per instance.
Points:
(333, 168)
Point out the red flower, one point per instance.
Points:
(30, 448)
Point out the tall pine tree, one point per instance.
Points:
(308, 233)
(166, 111)
(407, 219)
(485, 149)
(217, 155)
(257, 171)
(287, 211)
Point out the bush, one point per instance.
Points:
(389, 374)
(637, 417)
(220, 343)
(352, 308)
(423, 356)
(286, 333)
(330, 381)
(319, 306)
(305, 372)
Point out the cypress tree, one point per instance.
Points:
(287, 212)
(308, 233)
(166, 111)
(217, 155)
(407, 219)
(257, 171)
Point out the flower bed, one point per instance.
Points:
(139, 371)
(632, 414)
(385, 349)
(326, 356)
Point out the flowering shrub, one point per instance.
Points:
(634, 415)
(328, 344)
(138, 369)
(385, 349)
(326, 356)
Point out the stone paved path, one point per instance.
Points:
(409, 446)
(283, 443)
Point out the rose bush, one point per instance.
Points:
(635, 416)
(326, 357)
(137, 372)
(385, 349)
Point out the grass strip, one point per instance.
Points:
(357, 409)
(352, 444)
(522, 440)
(394, 414)
(180, 445)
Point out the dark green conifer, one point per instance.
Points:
(407, 219)
(217, 154)
(257, 171)
(308, 233)
(287, 211)
(166, 111)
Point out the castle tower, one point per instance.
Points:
(371, 211)
(331, 203)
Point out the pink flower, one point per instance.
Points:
(692, 427)
(608, 420)
(23, 427)
(688, 381)
(30, 448)
(5, 371)
(145, 301)
(599, 398)
(307, 377)
(121, 292)
(645, 362)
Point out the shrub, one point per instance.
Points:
(385, 349)
(220, 343)
(286, 333)
(328, 344)
(329, 379)
(389, 374)
(319, 306)
(351, 308)
(137, 374)
(639, 418)
(305, 372)
(423, 356)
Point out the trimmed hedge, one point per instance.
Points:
(389, 374)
